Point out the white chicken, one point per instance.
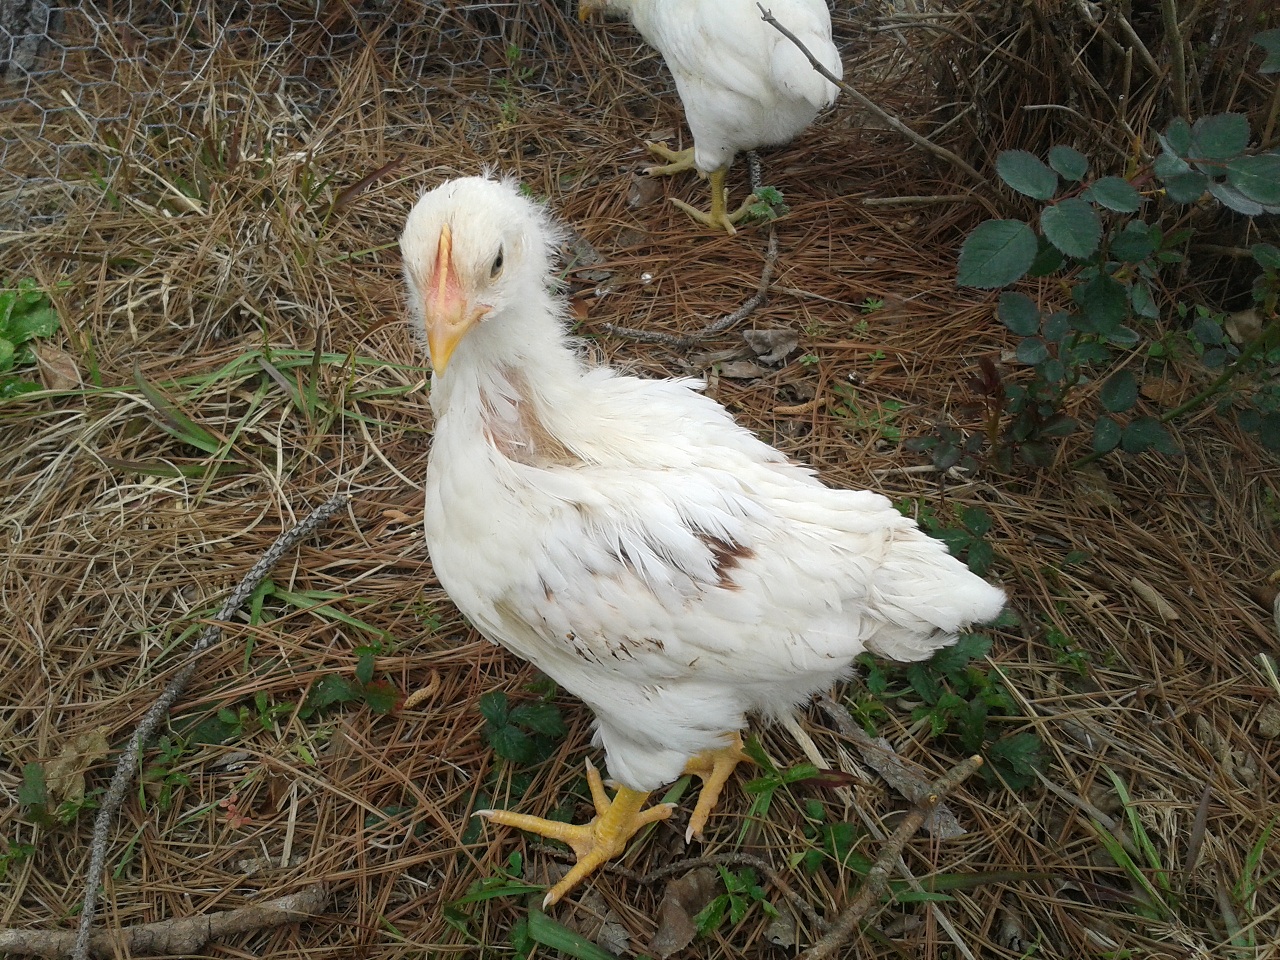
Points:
(743, 84)
(627, 537)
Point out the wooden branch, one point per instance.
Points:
(127, 765)
(1177, 57)
(924, 143)
(877, 881)
(180, 936)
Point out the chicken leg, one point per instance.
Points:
(597, 842)
(681, 160)
(714, 767)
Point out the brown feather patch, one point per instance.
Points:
(526, 439)
(726, 557)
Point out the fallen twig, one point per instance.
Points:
(127, 765)
(923, 143)
(180, 936)
(878, 876)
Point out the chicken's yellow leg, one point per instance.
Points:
(714, 767)
(717, 219)
(606, 836)
(678, 161)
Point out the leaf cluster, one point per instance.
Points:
(742, 890)
(526, 733)
(962, 703)
(378, 694)
(26, 313)
(1091, 231)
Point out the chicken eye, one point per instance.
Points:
(496, 270)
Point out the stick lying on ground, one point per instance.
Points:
(126, 767)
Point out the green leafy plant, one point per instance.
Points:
(877, 418)
(767, 204)
(13, 855)
(161, 779)
(961, 702)
(42, 808)
(965, 537)
(379, 695)
(532, 929)
(26, 314)
(1139, 857)
(526, 733)
(742, 891)
(1105, 237)
(508, 84)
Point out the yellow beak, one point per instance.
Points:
(447, 312)
(586, 8)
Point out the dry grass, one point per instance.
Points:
(266, 308)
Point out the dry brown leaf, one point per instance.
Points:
(772, 346)
(65, 774)
(1153, 599)
(1269, 721)
(58, 368)
(1243, 326)
(1163, 392)
(743, 370)
(682, 900)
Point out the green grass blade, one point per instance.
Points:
(557, 936)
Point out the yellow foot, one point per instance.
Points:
(718, 218)
(714, 767)
(597, 842)
(678, 161)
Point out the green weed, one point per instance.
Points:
(878, 419)
(742, 891)
(26, 314)
(767, 204)
(13, 855)
(962, 703)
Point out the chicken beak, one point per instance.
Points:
(587, 9)
(448, 313)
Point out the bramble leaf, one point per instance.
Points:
(1178, 136)
(1073, 227)
(1219, 136)
(1258, 178)
(1027, 174)
(1186, 187)
(1048, 259)
(543, 718)
(1147, 433)
(1133, 243)
(1267, 256)
(1233, 199)
(1120, 392)
(1032, 350)
(1071, 163)
(1104, 302)
(995, 254)
(493, 707)
(1106, 435)
(1115, 194)
(1170, 165)
(1269, 40)
(1019, 313)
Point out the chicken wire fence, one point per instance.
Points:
(72, 74)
